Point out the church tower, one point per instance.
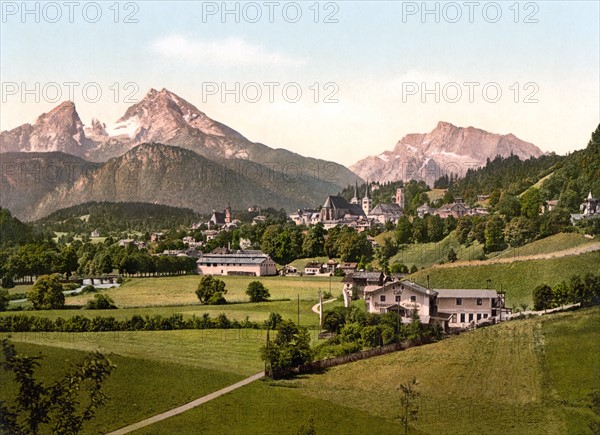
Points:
(228, 214)
(400, 197)
(366, 202)
(355, 200)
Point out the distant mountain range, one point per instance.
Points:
(163, 150)
(446, 149)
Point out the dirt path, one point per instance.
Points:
(578, 250)
(187, 406)
(315, 307)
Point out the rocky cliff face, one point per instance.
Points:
(58, 130)
(160, 117)
(162, 150)
(446, 149)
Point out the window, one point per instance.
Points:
(397, 298)
(470, 317)
(478, 316)
(462, 317)
(382, 298)
(453, 319)
(479, 301)
(413, 299)
(458, 301)
(485, 316)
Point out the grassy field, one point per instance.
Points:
(428, 254)
(529, 376)
(435, 194)
(138, 388)
(555, 243)
(180, 290)
(518, 279)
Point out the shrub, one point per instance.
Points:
(100, 302)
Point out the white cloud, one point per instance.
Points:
(221, 52)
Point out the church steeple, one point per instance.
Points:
(366, 202)
(355, 199)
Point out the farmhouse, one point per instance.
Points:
(470, 306)
(251, 263)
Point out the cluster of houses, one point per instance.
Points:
(361, 215)
(454, 308)
(358, 213)
(456, 209)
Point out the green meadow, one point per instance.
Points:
(517, 279)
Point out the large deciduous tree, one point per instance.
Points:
(211, 291)
(47, 293)
(257, 292)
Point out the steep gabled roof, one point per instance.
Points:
(387, 209)
(334, 201)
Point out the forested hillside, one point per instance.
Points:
(118, 216)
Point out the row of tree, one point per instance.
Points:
(27, 323)
(576, 289)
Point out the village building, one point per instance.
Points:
(95, 233)
(425, 209)
(447, 307)
(478, 211)
(220, 218)
(136, 243)
(210, 234)
(548, 206)
(469, 306)
(589, 209)
(455, 209)
(403, 297)
(386, 213)
(336, 208)
(226, 262)
(155, 237)
(330, 266)
(348, 268)
(259, 220)
(313, 268)
(306, 217)
(362, 279)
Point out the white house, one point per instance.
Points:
(455, 308)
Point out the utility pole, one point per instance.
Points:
(320, 310)
(298, 309)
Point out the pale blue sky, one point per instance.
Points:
(370, 54)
